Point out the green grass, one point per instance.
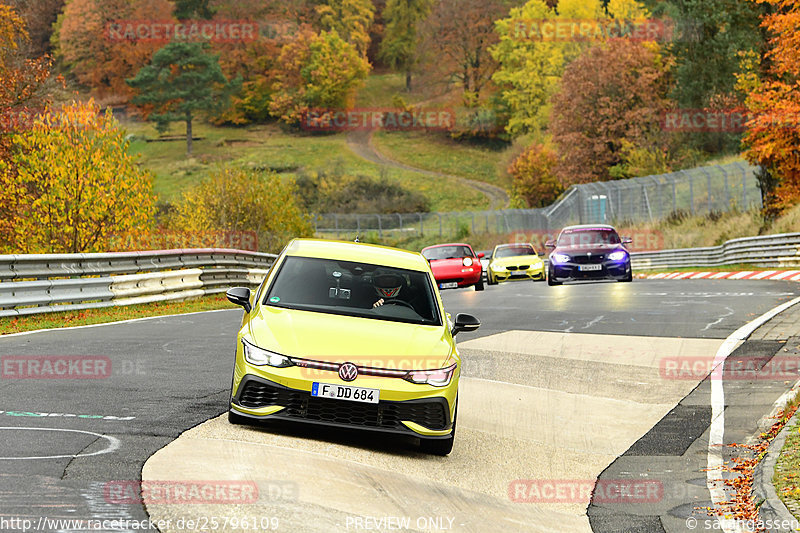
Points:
(112, 314)
(439, 153)
(268, 147)
(381, 90)
(787, 468)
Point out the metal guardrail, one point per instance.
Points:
(43, 283)
(770, 251)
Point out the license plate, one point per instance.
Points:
(449, 285)
(343, 392)
(585, 268)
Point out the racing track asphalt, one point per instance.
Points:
(170, 374)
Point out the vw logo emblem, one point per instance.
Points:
(348, 372)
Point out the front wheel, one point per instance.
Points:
(490, 280)
(479, 286)
(440, 446)
(627, 278)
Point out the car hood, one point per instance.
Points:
(517, 260)
(456, 262)
(588, 248)
(337, 338)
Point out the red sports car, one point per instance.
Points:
(455, 265)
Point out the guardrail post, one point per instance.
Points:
(674, 194)
(473, 222)
(691, 193)
(744, 188)
(336, 223)
(380, 227)
(421, 226)
(440, 224)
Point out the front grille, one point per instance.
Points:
(512, 268)
(383, 415)
(586, 259)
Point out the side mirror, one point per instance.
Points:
(627, 240)
(465, 322)
(240, 296)
(481, 255)
(550, 244)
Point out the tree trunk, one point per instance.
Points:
(189, 134)
(408, 81)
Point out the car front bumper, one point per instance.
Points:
(507, 274)
(403, 407)
(614, 270)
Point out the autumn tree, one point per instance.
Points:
(535, 183)
(531, 63)
(400, 45)
(458, 35)
(317, 71)
(74, 184)
(188, 9)
(39, 16)
(614, 92)
(773, 133)
(98, 57)
(350, 19)
(239, 200)
(182, 81)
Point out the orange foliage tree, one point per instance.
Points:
(773, 132)
(97, 57)
(71, 184)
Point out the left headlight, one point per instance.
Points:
(617, 256)
(559, 258)
(440, 377)
(256, 356)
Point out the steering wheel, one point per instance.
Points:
(399, 302)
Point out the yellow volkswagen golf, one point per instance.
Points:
(350, 335)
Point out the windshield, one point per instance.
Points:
(513, 251)
(354, 289)
(589, 237)
(447, 252)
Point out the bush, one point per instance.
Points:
(337, 193)
(535, 182)
(240, 200)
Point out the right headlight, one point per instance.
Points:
(497, 268)
(259, 357)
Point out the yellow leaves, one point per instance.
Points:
(238, 200)
(77, 184)
(12, 28)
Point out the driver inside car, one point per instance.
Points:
(388, 288)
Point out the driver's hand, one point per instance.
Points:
(378, 303)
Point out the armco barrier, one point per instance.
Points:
(42, 283)
(771, 251)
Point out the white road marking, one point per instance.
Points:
(720, 319)
(717, 428)
(113, 444)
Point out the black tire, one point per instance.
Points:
(479, 286)
(440, 446)
(628, 278)
(490, 281)
(237, 419)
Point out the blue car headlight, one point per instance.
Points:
(617, 256)
(559, 258)
(256, 356)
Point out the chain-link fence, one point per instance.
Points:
(718, 188)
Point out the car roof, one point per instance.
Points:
(448, 244)
(514, 244)
(590, 226)
(372, 254)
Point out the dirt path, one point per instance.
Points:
(360, 143)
